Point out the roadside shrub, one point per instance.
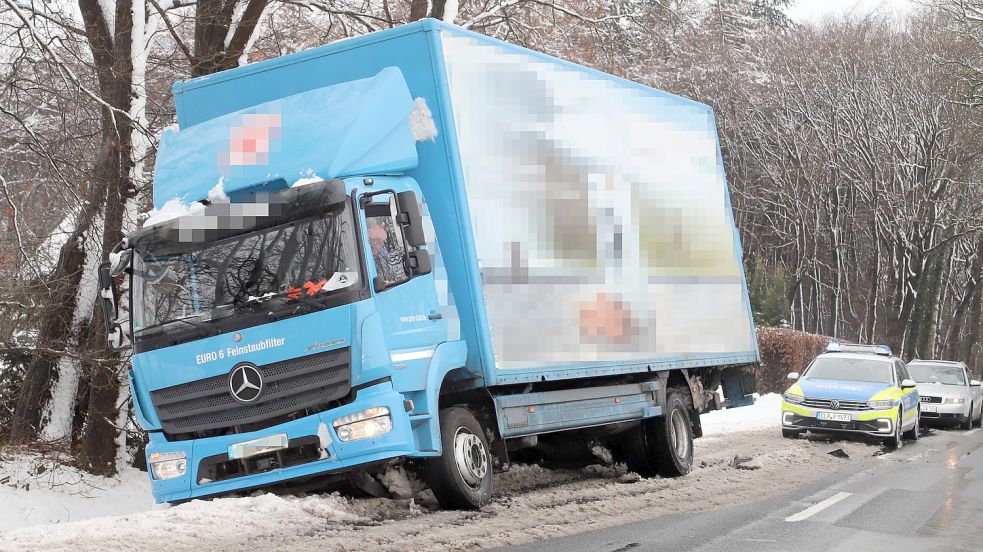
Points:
(783, 351)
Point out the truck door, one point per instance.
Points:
(406, 299)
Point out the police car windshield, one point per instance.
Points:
(850, 369)
(937, 373)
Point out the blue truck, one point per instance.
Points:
(428, 245)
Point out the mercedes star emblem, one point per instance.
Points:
(835, 405)
(245, 383)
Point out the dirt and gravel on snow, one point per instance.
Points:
(531, 503)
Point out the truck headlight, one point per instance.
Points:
(167, 465)
(952, 400)
(794, 399)
(880, 405)
(370, 422)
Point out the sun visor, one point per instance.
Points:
(348, 129)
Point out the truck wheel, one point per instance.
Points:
(461, 477)
(664, 445)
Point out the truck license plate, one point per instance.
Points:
(930, 408)
(263, 445)
(834, 417)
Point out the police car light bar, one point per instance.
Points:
(837, 347)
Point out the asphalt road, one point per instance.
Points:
(926, 496)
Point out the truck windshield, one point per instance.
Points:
(302, 262)
(850, 369)
(937, 373)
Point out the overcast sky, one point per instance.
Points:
(814, 10)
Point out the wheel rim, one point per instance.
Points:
(678, 433)
(470, 457)
(897, 432)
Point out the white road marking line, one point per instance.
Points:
(819, 507)
(970, 432)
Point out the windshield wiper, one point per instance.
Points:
(160, 328)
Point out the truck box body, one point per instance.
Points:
(582, 237)
(583, 220)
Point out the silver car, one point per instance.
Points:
(947, 392)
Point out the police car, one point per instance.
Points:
(859, 389)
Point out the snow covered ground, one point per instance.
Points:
(765, 413)
(38, 491)
(43, 505)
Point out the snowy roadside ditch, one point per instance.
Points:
(36, 492)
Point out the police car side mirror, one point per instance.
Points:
(974, 383)
(908, 384)
(794, 376)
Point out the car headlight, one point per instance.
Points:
(794, 399)
(370, 422)
(167, 465)
(880, 405)
(953, 400)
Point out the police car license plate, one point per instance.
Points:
(834, 416)
(929, 408)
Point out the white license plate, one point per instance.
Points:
(263, 445)
(834, 416)
(930, 408)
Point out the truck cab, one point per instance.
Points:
(289, 313)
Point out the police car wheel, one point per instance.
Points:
(912, 433)
(461, 477)
(895, 441)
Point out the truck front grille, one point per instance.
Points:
(291, 389)
(842, 405)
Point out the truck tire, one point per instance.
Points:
(664, 445)
(461, 477)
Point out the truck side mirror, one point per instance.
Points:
(411, 219)
(420, 262)
(110, 312)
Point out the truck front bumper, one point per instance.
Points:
(875, 423)
(314, 448)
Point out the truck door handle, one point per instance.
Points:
(435, 316)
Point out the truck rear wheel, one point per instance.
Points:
(664, 445)
(461, 477)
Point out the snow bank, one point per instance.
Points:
(35, 490)
(765, 413)
(187, 526)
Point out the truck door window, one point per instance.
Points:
(388, 249)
